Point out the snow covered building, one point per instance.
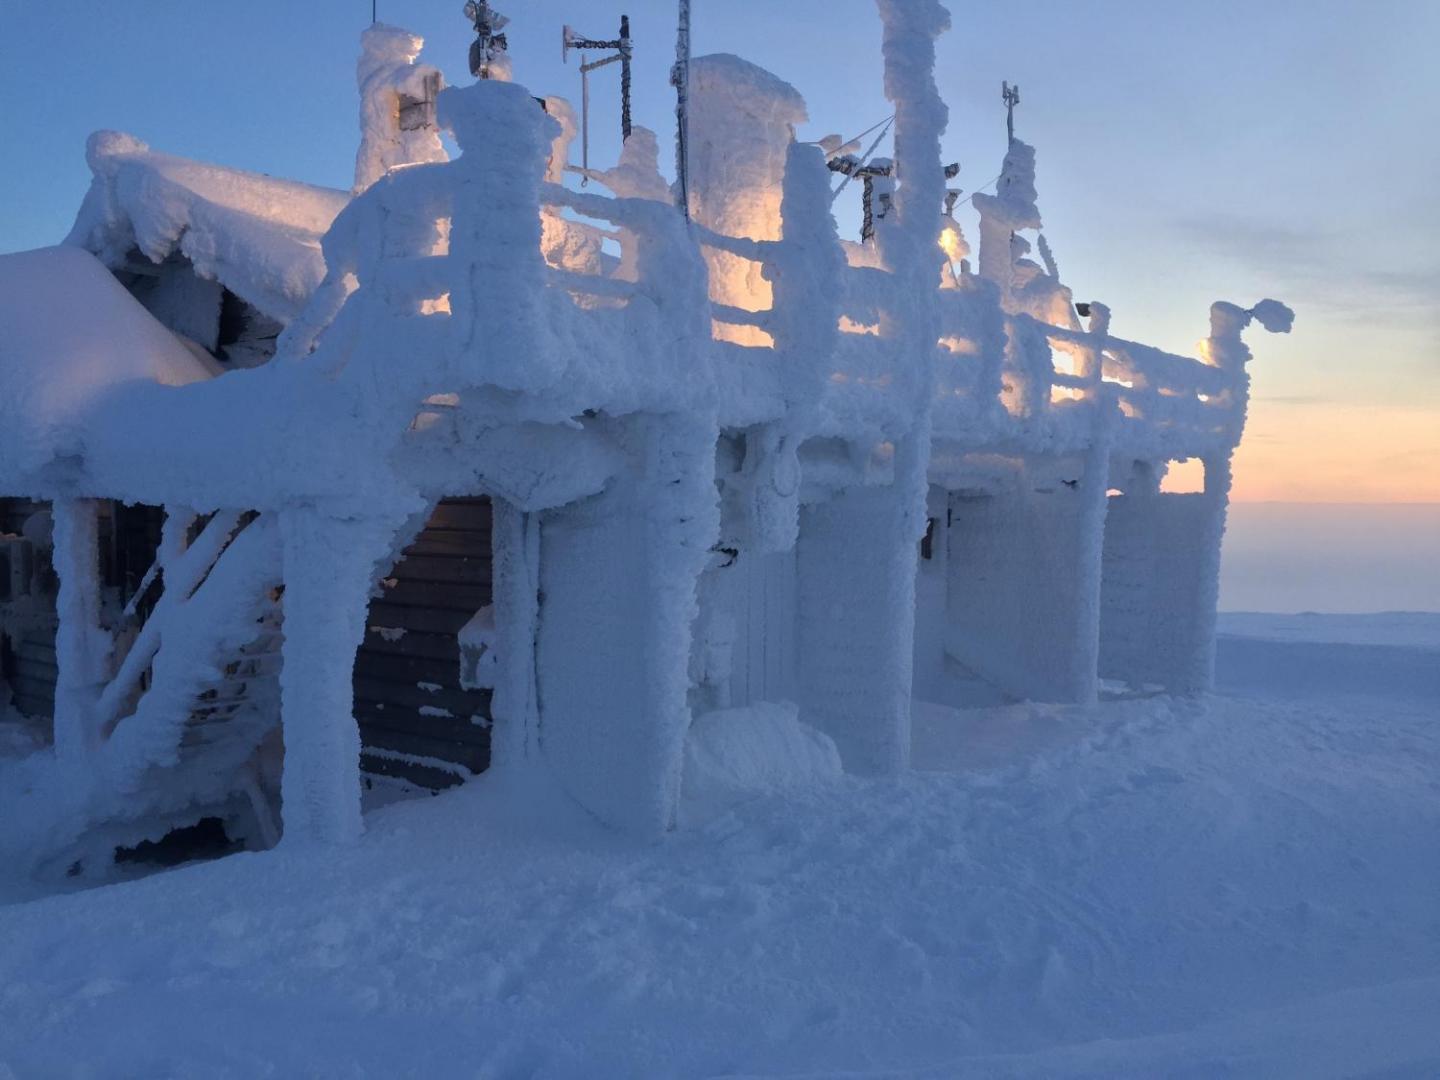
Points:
(467, 467)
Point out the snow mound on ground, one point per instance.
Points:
(18, 737)
(1181, 889)
(70, 334)
(762, 749)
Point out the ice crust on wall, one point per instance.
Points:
(1019, 596)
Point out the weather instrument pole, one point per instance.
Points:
(489, 42)
(570, 39)
(1010, 95)
(680, 79)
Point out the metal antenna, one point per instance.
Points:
(1010, 95)
(570, 39)
(373, 18)
(488, 39)
(680, 79)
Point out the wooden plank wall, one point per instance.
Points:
(408, 699)
(28, 658)
(129, 537)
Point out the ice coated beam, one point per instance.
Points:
(329, 566)
(82, 648)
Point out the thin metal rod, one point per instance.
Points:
(584, 118)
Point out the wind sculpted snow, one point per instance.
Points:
(1226, 887)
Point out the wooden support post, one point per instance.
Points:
(515, 539)
(329, 568)
(82, 647)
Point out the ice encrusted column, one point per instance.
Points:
(329, 567)
(82, 647)
(858, 551)
(618, 576)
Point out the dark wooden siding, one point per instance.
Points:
(29, 663)
(128, 539)
(406, 683)
(28, 658)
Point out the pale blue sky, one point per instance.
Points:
(1187, 152)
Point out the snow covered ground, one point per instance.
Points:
(1244, 886)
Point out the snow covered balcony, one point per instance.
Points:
(638, 472)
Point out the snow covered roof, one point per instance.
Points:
(256, 235)
(69, 335)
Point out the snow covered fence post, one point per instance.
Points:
(329, 567)
(82, 647)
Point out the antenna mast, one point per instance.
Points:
(680, 79)
(1010, 95)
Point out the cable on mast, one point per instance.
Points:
(680, 79)
(1010, 95)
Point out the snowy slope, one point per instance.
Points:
(1324, 657)
(1237, 887)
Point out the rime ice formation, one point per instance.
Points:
(397, 99)
(701, 493)
(257, 236)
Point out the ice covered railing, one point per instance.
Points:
(772, 358)
(438, 281)
(1177, 406)
(818, 337)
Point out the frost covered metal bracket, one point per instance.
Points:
(418, 114)
(570, 39)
